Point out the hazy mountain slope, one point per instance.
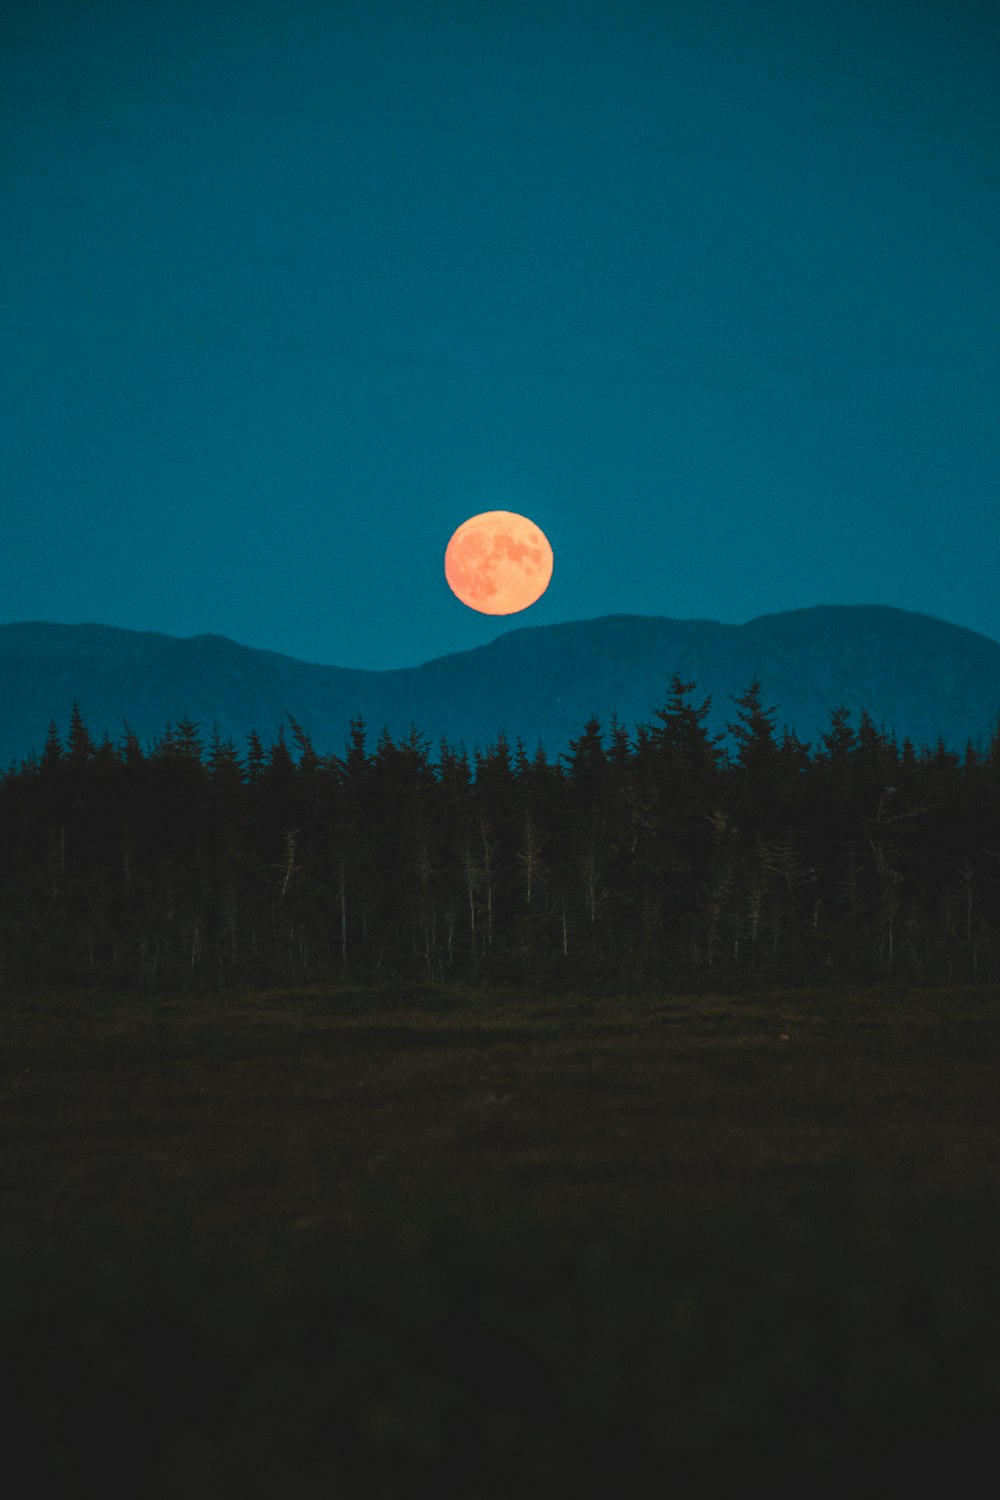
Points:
(920, 676)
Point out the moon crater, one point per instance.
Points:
(498, 562)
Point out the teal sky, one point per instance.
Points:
(709, 291)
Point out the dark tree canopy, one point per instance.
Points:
(652, 854)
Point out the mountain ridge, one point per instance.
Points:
(920, 677)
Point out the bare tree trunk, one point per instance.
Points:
(291, 841)
(488, 872)
(471, 871)
(342, 895)
(967, 887)
(530, 859)
(593, 892)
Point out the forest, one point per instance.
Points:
(664, 854)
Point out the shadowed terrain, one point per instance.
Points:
(392, 1242)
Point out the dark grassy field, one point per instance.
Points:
(373, 1243)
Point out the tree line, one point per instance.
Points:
(664, 853)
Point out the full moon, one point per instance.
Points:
(498, 562)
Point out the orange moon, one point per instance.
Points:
(498, 562)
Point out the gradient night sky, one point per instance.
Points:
(291, 287)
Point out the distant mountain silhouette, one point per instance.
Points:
(919, 677)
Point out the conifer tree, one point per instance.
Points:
(52, 754)
(79, 745)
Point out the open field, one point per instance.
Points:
(390, 1244)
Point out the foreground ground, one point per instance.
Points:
(367, 1243)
